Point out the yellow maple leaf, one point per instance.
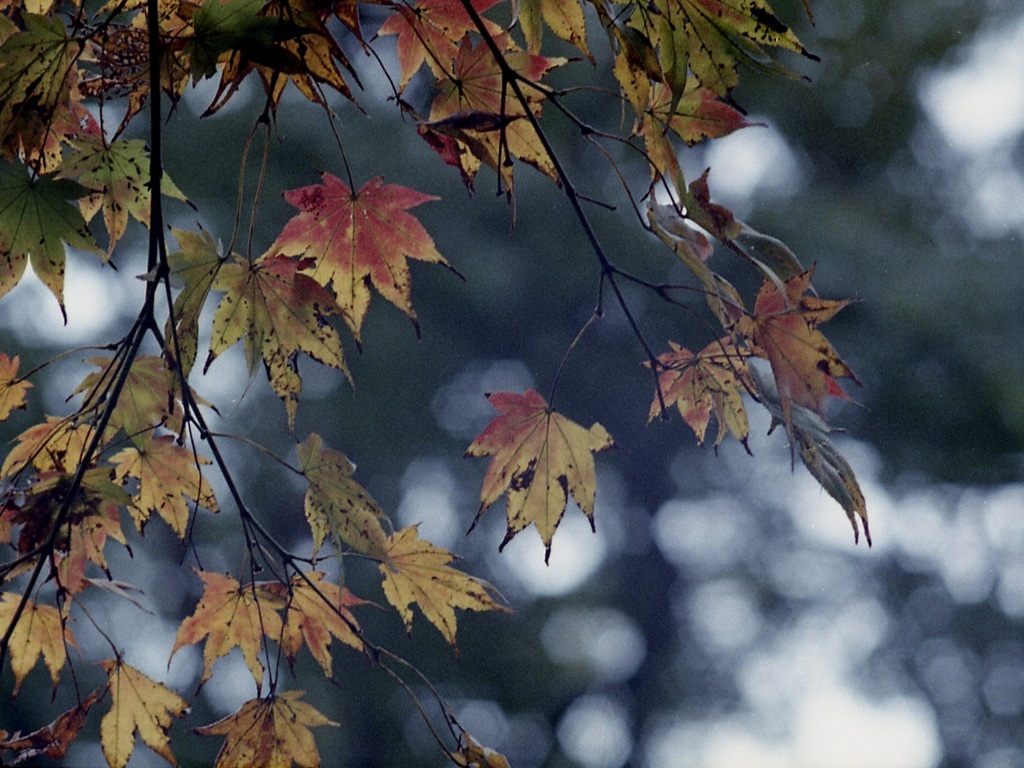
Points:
(279, 312)
(317, 611)
(418, 572)
(231, 615)
(271, 733)
(140, 705)
(336, 504)
(56, 445)
(540, 458)
(40, 631)
(169, 478)
(12, 389)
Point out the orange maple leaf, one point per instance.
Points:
(430, 32)
(138, 704)
(231, 615)
(272, 732)
(418, 572)
(315, 612)
(169, 478)
(784, 331)
(12, 389)
(279, 312)
(40, 632)
(712, 381)
(358, 239)
(540, 458)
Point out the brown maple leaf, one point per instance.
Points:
(51, 740)
(540, 458)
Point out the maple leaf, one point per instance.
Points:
(117, 176)
(564, 17)
(540, 458)
(147, 400)
(54, 445)
(315, 612)
(430, 32)
(284, 40)
(272, 732)
(712, 381)
(472, 754)
(784, 330)
(711, 37)
(474, 83)
(138, 704)
(36, 220)
(12, 389)
(808, 432)
(169, 479)
(91, 522)
(336, 504)
(51, 740)
(36, 65)
(41, 632)
(279, 312)
(231, 615)
(418, 572)
(193, 268)
(694, 114)
(359, 239)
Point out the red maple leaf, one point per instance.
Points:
(359, 238)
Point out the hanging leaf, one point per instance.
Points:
(36, 220)
(231, 615)
(540, 458)
(355, 240)
(337, 505)
(418, 572)
(272, 732)
(139, 705)
(169, 482)
(13, 390)
(117, 177)
(279, 312)
(315, 612)
(712, 381)
(52, 740)
(41, 633)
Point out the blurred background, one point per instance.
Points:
(721, 615)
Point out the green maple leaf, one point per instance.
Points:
(117, 177)
(34, 67)
(195, 265)
(711, 37)
(36, 219)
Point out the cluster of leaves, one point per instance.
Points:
(137, 446)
